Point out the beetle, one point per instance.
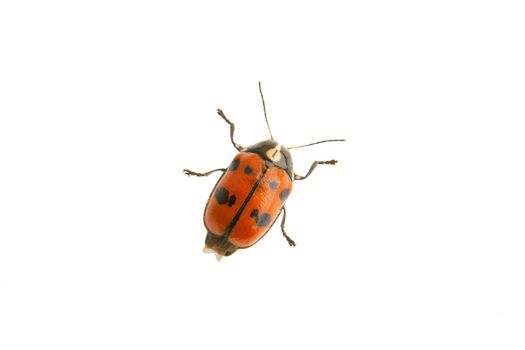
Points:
(251, 192)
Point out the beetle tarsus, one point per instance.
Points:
(290, 241)
(193, 173)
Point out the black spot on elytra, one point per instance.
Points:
(221, 195)
(273, 185)
(264, 220)
(232, 200)
(261, 220)
(235, 164)
(248, 169)
(284, 194)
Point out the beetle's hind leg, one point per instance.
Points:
(193, 173)
(290, 241)
(232, 129)
(313, 166)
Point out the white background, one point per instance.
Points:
(415, 240)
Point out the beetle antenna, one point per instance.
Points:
(315, 143)
(264, 108)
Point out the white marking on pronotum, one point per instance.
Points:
(274, 154)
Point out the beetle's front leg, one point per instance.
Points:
(193, 173)
(314, 164)
(232, 129)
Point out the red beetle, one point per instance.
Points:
(250, 194)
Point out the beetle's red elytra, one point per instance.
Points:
(251, 193)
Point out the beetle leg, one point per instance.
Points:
(290, 241)
(232, 129)
(189, 172)
(314, 164)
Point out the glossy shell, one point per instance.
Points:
(245, 202)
